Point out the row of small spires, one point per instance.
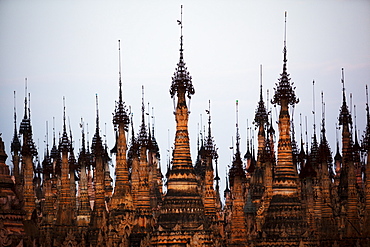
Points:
(261, 116)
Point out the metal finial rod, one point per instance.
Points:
(354, 112)
(53, 131)
(237, 125)
(367, 105)
(64, 114)
(261, 82)
(70, 129)
(25, 97)
(153, 120)
(300, 126)
(119, 69)
(323, 104)
(247, 134)
(268, 103)
(342, 80)
(47, 137)
(142, 103)
(306, 134)
(313, 106)
(82, 126)
(29, 105)
(181, 21)
(201, 125)
(261, 76)
(209, 118)
(97, 112)
(15, 113)
(350, 102)
(87, 136)
(285, 29)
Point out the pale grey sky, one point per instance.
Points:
(70, 48)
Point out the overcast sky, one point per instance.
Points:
(70, 49)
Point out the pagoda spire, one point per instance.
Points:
(64, 213)
(237, 180)
(284, 96)
(209, 142)
(324, 148)
(84, 209)
(28, 152)
(15, 151)
(181, 86)
(314, 145)
(122, 197)
(261, 119)
(345, 119)
(236, 168)
(15, 145)
(280, 217)
(99, 212)
(143, 135)
(182, 206)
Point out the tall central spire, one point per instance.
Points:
(285, 213)
(182, 206)
(181, 86)
(285, 175)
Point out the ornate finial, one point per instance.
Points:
(284, 91)
(181, 81)
(97, 144)
(210, 147)
(64, 145)
(261, 115)
(344, 115)
(143, 137)
(120, 115)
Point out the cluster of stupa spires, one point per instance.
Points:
(283, 196)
